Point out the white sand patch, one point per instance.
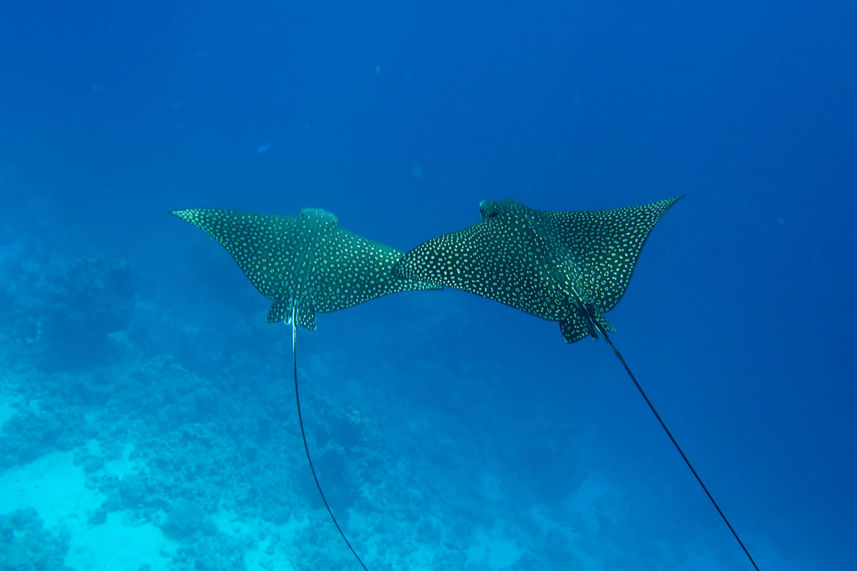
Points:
(52, 485)
(268, 555)
(119, 543)
(56, 489)
(231, 523)
(119, 468)
(273, 544)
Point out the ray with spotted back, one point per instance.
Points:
(304, 264)
(567, 266)
(557, 265)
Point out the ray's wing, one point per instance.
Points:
(264, 247)
(350, 269)
(305, 260)
(362, 270)
(570, 267)
(499, 258)
(601, 246)
(274, 252)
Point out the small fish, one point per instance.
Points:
(262, 148)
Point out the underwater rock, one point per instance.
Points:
(215, 552)
(186, 519)
(26, 544)
(133, 490)
(29, 435)
(90, 300)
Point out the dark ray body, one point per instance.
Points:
(304, 262)
(560, 266)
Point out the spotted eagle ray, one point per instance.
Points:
(305, 264)
(565, 266)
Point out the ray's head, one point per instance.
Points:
(320, 216)
(499, 208)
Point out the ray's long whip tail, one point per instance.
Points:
(294, 324)
(594, 322)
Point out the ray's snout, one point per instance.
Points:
(489, 208)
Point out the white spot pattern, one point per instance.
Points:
(306, 260)
(550, 264)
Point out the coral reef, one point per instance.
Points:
(186, 519)
(89, 300)
(186, 429)
(66, 311)
(26, 546)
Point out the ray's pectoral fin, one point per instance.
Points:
(307, 258)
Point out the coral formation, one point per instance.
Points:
(26, 545)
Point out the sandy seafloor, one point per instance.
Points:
(140, 432)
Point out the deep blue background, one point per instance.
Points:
(400, 117)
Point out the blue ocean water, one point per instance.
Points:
(147, 412)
